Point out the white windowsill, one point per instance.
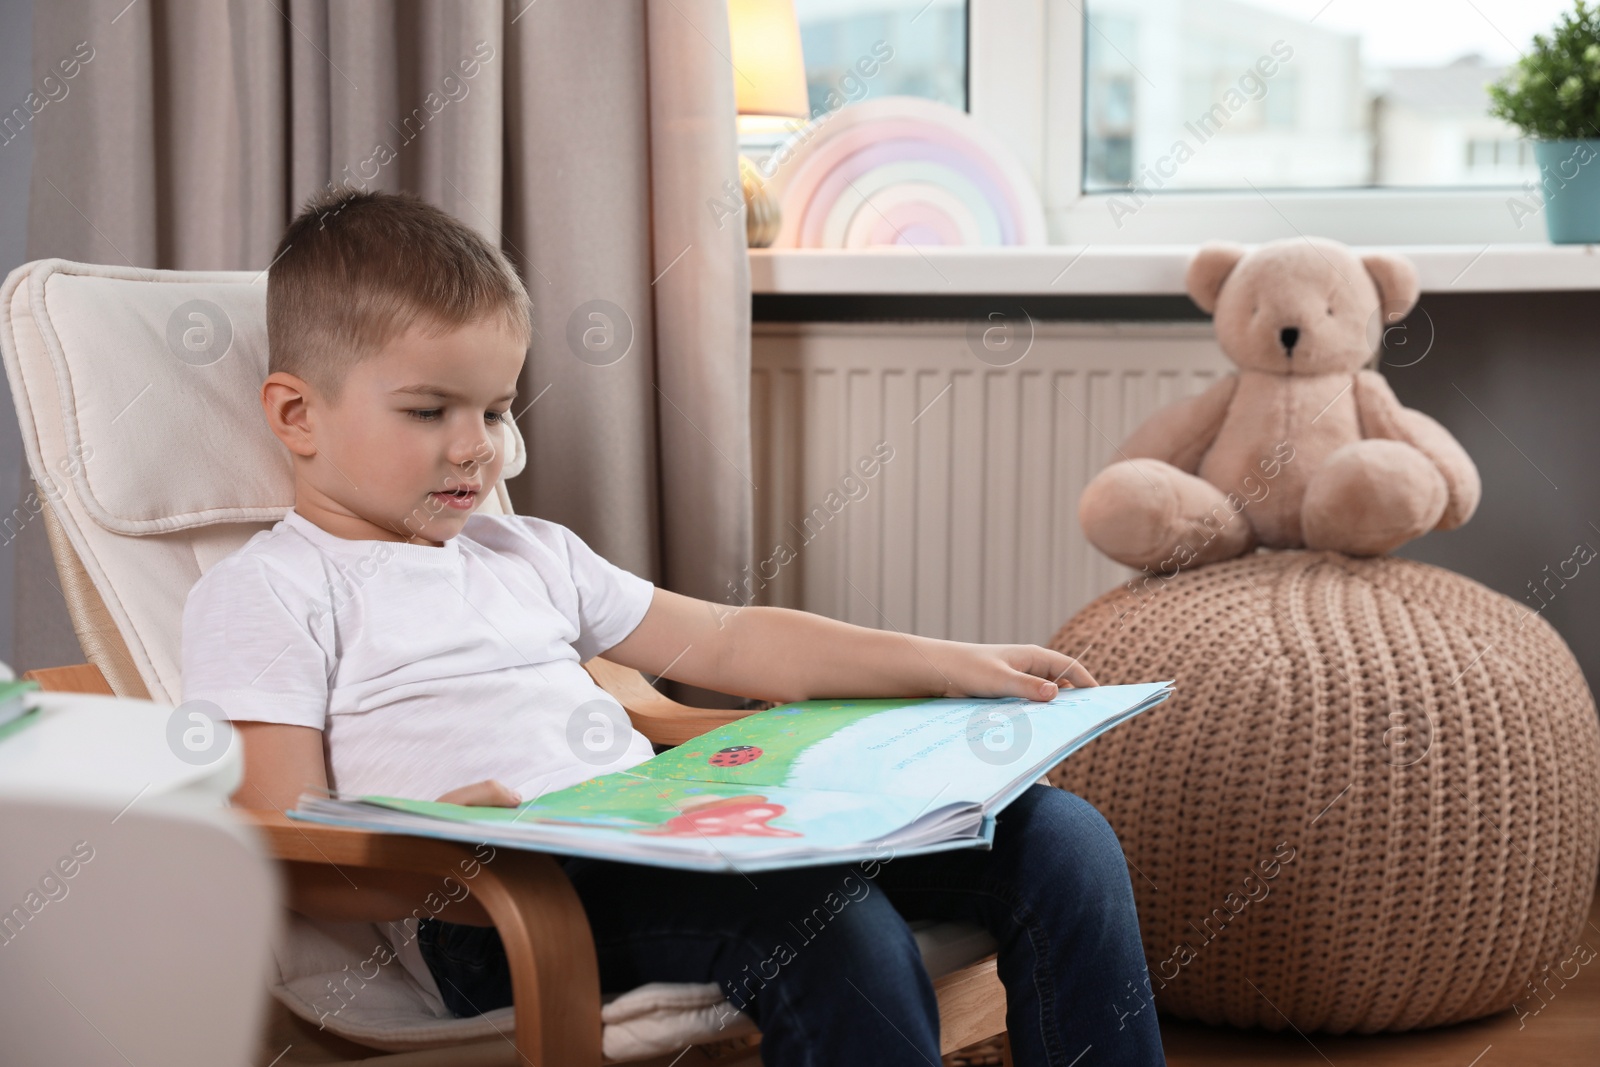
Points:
(1133, 270)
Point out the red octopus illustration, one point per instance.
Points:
(740, 816)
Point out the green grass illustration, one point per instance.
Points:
(783, 734)
(682, 778)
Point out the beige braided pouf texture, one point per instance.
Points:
(1372, 802)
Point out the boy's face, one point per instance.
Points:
(415, 439)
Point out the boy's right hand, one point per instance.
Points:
(488, 793)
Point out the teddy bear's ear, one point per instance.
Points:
(1396, 280)
(1210, 266)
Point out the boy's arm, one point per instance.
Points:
(283, 761)
(785, 655)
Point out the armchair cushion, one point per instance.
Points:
(392, 1011)
(136, 395)
(331, 974)
(122, 347)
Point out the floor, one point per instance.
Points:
(1564, 1033)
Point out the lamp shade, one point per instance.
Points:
(769, 73)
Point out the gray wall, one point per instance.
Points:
(16, 160)
(1516, 377)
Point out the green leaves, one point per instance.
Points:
(1553, 92)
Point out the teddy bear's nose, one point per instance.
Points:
(1289, 335)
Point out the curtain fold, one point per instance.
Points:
(586, 140)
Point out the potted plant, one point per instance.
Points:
(1553, 95)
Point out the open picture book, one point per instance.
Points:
(807, 783)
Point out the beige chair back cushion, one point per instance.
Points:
(138, 392)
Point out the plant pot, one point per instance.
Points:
(1569, 179)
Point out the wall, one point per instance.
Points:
(1516, 377)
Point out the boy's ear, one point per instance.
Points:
(283, 401)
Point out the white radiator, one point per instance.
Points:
(903, 483)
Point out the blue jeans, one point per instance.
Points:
(822, 960)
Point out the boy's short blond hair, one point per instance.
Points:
(356, 269)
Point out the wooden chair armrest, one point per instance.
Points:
(78, 678)
(660, 718)
(300, 841)
(555, 978)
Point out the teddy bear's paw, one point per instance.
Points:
(1127, 510)
(1370, 497)
(1150, 515)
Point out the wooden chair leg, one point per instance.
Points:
(1005, 1050)
(555, 980)
(555, 977)
(972, 1005)
(557, 1007)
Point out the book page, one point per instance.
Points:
(952, 748)
(792, 785)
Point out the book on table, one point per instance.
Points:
(18, 704)
(806, 783)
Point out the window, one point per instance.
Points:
(926, 43)
(1400, 98)
(1109, 105)
(1177, 121)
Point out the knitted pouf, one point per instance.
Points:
(1371, 803)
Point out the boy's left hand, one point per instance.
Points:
(485, 794)
(1028, 671)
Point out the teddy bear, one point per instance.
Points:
(1304, 445)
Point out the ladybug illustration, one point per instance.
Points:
(735, 756)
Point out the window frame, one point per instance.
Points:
(1025, 82)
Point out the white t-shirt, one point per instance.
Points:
(426, 668)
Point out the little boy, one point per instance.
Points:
(387, 638)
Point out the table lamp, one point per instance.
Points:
(769, 77)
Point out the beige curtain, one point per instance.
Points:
(586, 138)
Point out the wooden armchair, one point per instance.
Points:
(555, 978)
(138, 499)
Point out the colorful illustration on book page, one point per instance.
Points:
(734, 818)
(762, 749)
(613, 801)
(959, 748)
